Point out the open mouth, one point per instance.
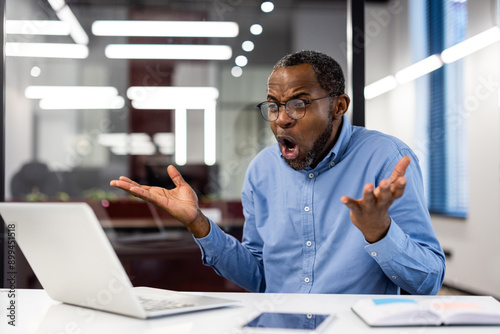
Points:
(289, 148)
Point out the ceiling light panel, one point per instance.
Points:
(46, 50)
(471, 45)
(419, 69)
(40, 92)
(65, 14)
(75, 97)
(37, 27)
(165, 28)
(168, 51)
(380, 87)
(172, 97)
(82, 103)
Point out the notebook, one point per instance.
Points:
(436, 311)
(76, 264)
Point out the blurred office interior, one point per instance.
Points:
(96, 89)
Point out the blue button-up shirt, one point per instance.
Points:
(298, 237)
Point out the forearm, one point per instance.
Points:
(232, 260)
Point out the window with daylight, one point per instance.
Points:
(444, 114)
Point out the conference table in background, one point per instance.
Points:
(38, 313)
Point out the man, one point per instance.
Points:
(304, 232)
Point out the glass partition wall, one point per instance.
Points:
(96, 89)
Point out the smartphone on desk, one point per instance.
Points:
(280, 322)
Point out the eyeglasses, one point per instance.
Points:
(295, 108)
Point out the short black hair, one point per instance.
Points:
(328, 71)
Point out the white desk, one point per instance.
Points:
(37, 313)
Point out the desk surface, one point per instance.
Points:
(37, 313)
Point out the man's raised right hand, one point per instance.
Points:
(180, 202)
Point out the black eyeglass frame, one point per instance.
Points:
(306, 102)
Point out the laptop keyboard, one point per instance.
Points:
(162, 304)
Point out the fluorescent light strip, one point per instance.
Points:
(137, 139)
(471, 45)
(124, 143)
(83, 102)
(36, 27)
(75, 97)
(165, 142)
(123, 150)
(119, 150)
(40, 92)
(164, 138)
(146, 150)
(46, 50)
(113, 139)
(419, 69)
(434, 62)
(210, 134)
(168, 51)
(57, 5)
(180, 136)
(160, 98)
(65, 14)
(380, 87)
(165, 28)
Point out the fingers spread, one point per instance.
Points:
(175, 176)
(143, 193)
(400, 168)
(384, 192)
(124, 183)
(131, 187)
(351, 204)
(138, 191)
(126, 179)
(368, 195)
(398, 187)
(121, 184)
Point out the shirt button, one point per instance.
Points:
(311, 175)
(306, 209)
(394, 277)
(309, 243)
(306, 279)
(309, 315)
(373, 254)
(332, 163)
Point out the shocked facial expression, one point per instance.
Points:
(306, 141)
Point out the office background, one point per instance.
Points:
(80, 147)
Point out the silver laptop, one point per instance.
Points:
(75, 263)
